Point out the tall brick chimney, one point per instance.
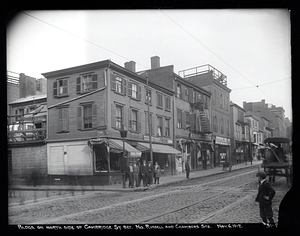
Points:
(155, 62)
(130, 65)
(27, 85)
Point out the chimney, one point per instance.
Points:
(130, 65)
(155, 62)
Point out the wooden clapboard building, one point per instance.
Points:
(88, 105)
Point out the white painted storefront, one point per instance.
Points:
(69, 158)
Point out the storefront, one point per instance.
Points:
(199, 152)
(98, 161)
(222, 150)
(164, 155)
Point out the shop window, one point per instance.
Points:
(100, 158)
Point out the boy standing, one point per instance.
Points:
(264, 197)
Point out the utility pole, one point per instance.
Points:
(149, 125)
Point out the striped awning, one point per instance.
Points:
(116, 145)
(158, 148)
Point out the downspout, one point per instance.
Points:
(106, 115)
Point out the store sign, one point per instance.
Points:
(102, 132)
(158, 139)
(222, 141)
(201, 136)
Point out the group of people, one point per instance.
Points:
(137, 172)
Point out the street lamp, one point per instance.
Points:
(123, 133)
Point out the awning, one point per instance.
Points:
(158, 148)
(116, 145)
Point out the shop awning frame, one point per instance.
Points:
(157, 148)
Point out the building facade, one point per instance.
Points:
(274, 114)
(215, 82)
(240, 136)
(89, 105)
(191, 116)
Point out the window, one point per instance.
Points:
(187, 119)
(228, 127)
(147, 123)
(167, 127)
(118, 84)
(178, 91)
(186, 94)
(134, 90)
(134, 124)
(63, 119)
(226, 103)
(215, 123)
(148, 95)
(179, 118)
(159, 100)
(60, 87)
(214, 97)
(119, 116)
(221, 100)
(87, 116)
(86, 83)
(167, 103)
(159, 126)
(222, 125)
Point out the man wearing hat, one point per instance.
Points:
(264, 197)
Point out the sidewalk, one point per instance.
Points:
(164, 180)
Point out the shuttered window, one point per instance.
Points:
(63, 119)
(167, 127)
(60, 87)
(159, 100)
(86, 83)
(87, 116)
(167, 103)
(159, 126)
(179, 118)
(134, 120)
(118, 84)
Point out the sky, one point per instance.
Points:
(251, 47)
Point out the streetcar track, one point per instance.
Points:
(173, 192)
(189, 205)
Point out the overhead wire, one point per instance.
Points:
(90, 42)
(215, 54)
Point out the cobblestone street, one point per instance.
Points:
(226, 198)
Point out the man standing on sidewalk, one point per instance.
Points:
(264, 197)
(187, 168)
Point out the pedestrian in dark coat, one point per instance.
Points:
(156, 173)
(150, 173)
(187, 169)
(264, 198)
(144, 173)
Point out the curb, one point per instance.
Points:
(96, 188)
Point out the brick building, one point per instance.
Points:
(89, 105)
(191, 116)
(212, 80)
